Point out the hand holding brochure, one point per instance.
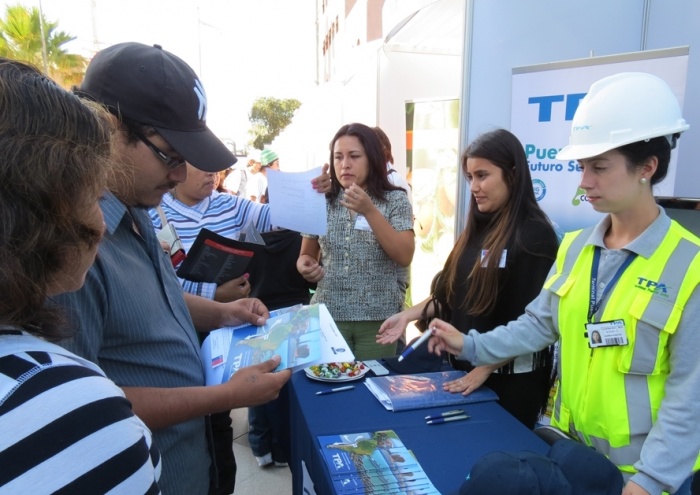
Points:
(422, 390)
(300, 335)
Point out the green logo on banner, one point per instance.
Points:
(578, 197)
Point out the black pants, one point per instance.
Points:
(521, 394)
(223, 466)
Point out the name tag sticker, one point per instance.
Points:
(361, 223)
(606, 333)
(501, 262)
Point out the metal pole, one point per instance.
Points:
(44, 56)
(93, 15)
(199, 41)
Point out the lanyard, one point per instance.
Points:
(594, 306)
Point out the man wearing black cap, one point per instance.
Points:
(142, 329)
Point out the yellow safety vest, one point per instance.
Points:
(609, 397)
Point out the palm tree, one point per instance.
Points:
(20, 39)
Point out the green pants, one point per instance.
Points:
(361, 337)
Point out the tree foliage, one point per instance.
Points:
(269, 116)
(20, 39)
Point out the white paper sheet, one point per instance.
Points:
(294, 204)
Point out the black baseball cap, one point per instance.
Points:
(154, 87)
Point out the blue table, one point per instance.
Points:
(446, 451)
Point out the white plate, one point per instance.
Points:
(342, 378)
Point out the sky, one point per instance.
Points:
(241, 49)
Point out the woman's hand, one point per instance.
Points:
(237, 288)
(632, 488)
(471, 381)
(310, 269)
(445, 338)
(392, 328)
(357, 200)
(322, 183)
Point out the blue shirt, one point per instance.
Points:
(133, 322)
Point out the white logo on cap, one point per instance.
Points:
(202, 97)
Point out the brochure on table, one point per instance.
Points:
(300, 335)
(423, 390)
(374, 463)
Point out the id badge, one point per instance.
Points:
(361, 223)
(501, 262)
(606, 333)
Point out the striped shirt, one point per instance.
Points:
(66, 428)
(133, 322)
(225, 214)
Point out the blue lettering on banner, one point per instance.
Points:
(540, 153)
(545, 105)
(540, 189)
(573, 166)
(546, 167)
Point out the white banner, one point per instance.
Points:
(543, 106)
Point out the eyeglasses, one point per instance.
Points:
(170, 161)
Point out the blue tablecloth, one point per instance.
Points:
(446, 451)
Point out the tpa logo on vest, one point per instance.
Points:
(651, 286)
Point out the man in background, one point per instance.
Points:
(236, 181)
(268, 160)
(257, 183)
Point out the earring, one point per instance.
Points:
(643, 180)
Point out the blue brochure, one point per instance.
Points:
(423, 390)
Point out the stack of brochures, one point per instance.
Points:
(376, 463)
(300, 335)
(423, 390)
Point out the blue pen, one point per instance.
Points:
(333, 390)
(426, 335)
(445, 414)
(447, 419)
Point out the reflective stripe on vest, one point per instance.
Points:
(600, 387)
(571, 246)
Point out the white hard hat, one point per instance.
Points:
(622, 109)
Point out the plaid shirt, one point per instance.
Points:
(361, 282)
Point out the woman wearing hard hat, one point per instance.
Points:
(632, 278)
